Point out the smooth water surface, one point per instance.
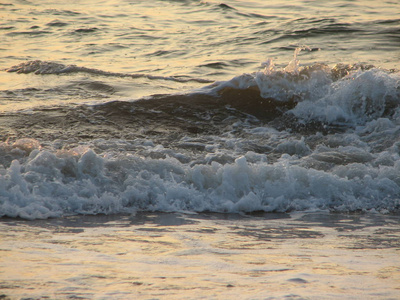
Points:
(207, 256)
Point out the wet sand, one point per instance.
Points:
(202, 256)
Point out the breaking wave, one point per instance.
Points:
(299, 138)
(79, 181)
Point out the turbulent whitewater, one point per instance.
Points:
(311, 138)
(199, 106)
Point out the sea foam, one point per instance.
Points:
(344, 94)
(250, 167)
(47, 184)
(358, 97)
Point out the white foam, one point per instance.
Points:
(359, 97)
(263, 169)
(292, 147)
(47, 184)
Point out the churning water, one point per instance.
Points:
(229, 148)
(122, 106)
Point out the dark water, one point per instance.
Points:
(196, 106)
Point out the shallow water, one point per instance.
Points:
(206, 256)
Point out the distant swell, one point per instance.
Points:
(45, 67)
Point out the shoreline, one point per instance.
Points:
(197, 256)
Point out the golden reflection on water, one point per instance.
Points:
(201, 39)
(202, 259)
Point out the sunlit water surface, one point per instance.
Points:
(195, 39)
(94, 178)
(173, 256)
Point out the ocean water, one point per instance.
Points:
(123, 108)
(201, 256)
